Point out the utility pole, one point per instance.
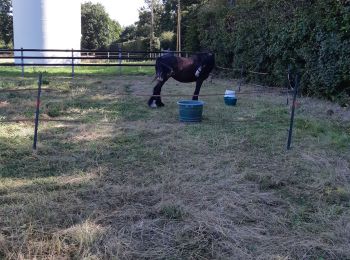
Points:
(152, 27)
(178, 45)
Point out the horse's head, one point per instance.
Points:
(164, 69)
(206, 63)
(209, 60)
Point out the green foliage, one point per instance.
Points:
(98, 29)
(268, 35)
(114, 30)
(168, 16)
(128, 33)
(167, 40)
(189, 9)
(190, 28)
(143, 26)
(336, 195)
(54, 109)
(137, 37)
(6, 23)
(140, 44)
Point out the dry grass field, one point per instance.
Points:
(130, 182)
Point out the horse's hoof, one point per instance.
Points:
(152, 104)
(159, 102)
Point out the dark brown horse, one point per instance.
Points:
(194, 69)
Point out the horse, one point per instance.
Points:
(193, 69)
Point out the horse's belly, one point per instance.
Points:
(185, 79)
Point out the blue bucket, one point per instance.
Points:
(230, 101)
(190, 110)
(230, 98)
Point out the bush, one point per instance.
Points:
(140, 44)
(268, 35)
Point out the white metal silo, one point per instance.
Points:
(47, 24)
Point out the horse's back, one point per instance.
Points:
(184, 69)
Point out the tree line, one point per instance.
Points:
(311, 36)
(269, 36)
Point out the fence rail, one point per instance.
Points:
(77, 64)
(97, 51)
(110, 57)
(79, 58)
(121, 58)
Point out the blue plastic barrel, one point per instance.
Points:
(190, 110)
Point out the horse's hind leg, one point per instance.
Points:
(155, 100)
(197, 90)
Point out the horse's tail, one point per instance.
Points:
(159, 70)
(157, 67)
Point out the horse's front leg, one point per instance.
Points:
(155, 100)
(199, 83)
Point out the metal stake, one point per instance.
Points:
(22, 62)
(37, 112)
(72, 63)
(297, 79)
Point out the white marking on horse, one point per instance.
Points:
(154, 105)
(199, 70)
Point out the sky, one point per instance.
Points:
(123, 11)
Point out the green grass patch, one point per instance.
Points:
(324, 132)
(78, 71)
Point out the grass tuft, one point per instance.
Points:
(172, 212)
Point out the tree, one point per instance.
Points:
(128, 34)
(189, 30)
(98, 29)
(168, 17)
(6, 22)
(167, 40)
(115, 30)
(143, 26)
